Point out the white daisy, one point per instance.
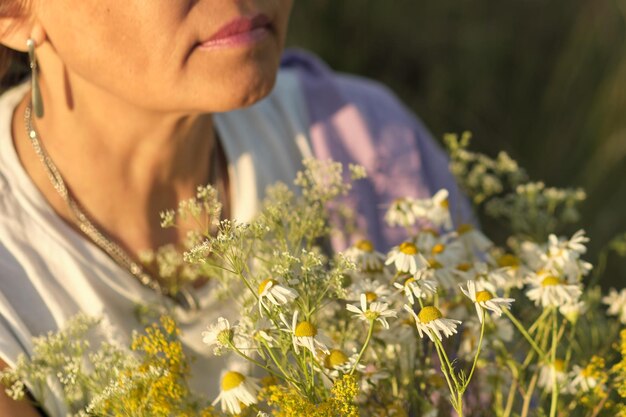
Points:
(552, 291)
(572, 311)
(430, 321)
(562, 251)
(407, 258)
(512, 267)
(305, 334)
(263, 330)
(366, 258)
(237, 390)
(220, 334)
(373, 290)
(270, 290)
(490, 279)
(376, 312)
(337, 362)
(400, 213)
(484, 300)
(548, 371)
(435, 209)
(446, 252)
(582, 379)
(417, 288)
(617, 304)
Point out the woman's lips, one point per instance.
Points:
(240, 31)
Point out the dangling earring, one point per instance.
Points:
(36, 91)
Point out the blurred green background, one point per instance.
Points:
(544, 80)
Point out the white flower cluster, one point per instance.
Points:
(555, 271)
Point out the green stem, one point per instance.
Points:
(445, 370)
(524, 333)
(555, 385)
(480, 343)
(447, 361)
(367, 342)
(278, 365)
(529, 394)
(259, 364)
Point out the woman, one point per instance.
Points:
(140, 102)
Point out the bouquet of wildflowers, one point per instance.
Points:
(445, 322)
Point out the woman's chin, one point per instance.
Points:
(234, 93)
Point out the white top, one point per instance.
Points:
(49, 272)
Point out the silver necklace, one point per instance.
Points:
(184, 296)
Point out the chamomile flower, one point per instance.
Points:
(417, 288)
(263, 332)
(484, 300)
(366, 258)
(373, 290)
(305, 334)
(407, 258)
(400, 213)
(552, 291)
(376, 311)
(582, 380)
(549, 371)
(515, 271)
(219, 334)
(442, 257)
(274, 293)
(237, 390)
(430, 321)
(617, 304)
(435, 209)
(337, 362)
(572, 311)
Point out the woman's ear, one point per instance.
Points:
(15, 31)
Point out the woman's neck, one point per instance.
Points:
(123, 164)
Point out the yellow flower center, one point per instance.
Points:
(483, 296)
(551, 280)
(305, 329)
(559, 365)
(263, 285)
(365, 245)
(588, 371)
(508, 260)
(335, 358)
(408, 248)
(232, 380)
(370, 296)
(398, 201)
(428, 314)
(438, 248)
(445, 203)
(409, 281)
(409, 321)
(434, 264)
(225, 336)
(430, 231)
(464, 228)
(464, 267)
